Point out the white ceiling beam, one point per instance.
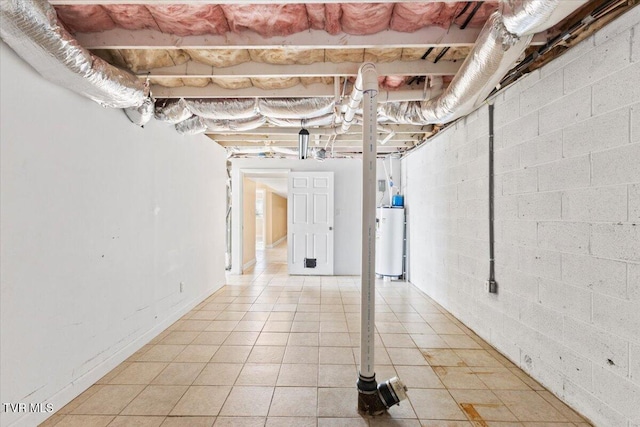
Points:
(318, 69)
(313, 39)
(354, 129)
(292, 140)
(235, 2)
(315, 90)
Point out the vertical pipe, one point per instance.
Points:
(369, 142)
(492, 275)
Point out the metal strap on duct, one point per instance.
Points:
(192, 126)
(32, 29)
(234, 125)
(172, 111)
(223, 109)
(325, 120)
(297, 108)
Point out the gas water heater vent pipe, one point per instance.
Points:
(373, 398)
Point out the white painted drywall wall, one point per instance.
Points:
(100, 222)
(348, 203)
(567, 164)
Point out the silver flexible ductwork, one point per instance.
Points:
(33, 31)
(172, 111)
(502, 40)
(325, 120)
(223, 109)
(192, 126)
(234, 125)
(296, 108)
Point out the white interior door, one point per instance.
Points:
(310, 223)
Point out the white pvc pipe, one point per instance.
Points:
(368, 77)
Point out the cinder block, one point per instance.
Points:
(620, 165)
(635, 52)
(616, 391)
(566, 111)
(635, 117)
(473, 228)
(621, 24)
(595, 204)
(541, 263)
(599, 275)
(598, 412)
(543, 149)
(617, 90)
(633, 280)
(507, 159)
(506, 110)
(517, 283)
(519, 232)
(602, 348)
(634, 363)
(573, 172)
(597, 133)
(505, 207)
(572, 237)
(540, 206)
(475, 189)
(598, 63)
(520, 181)
(506, 255)
(616, 241)
(543, 92)
(617, 316)
(543, 319)
(569, 300)
(568, 56)
(522, 129)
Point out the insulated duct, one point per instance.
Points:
(33, 31)
(502, 40)
(192, 126)
(223, 109)
(296, 108)
(172, 111)
(325, 120)
(234, 125)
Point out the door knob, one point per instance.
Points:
(330, 228)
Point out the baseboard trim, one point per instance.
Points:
(248, 264)
(79, 385)
(277, 242)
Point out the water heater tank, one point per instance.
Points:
(389, 241)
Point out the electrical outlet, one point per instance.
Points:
(181, 287)
(490, 286)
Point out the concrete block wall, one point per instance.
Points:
(567, 223)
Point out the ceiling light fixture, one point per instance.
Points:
(303, 143)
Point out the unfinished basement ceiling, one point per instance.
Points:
(234, 49)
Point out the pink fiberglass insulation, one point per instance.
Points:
(391, 82)
(316, 16)
(410, 17)
(480, 17)
(186, 20)
(332, 14)
(366, 18)
(85, 19)
(268, 20)
(131, 17)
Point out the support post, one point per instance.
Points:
(368, 401)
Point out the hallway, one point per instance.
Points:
(271, 350)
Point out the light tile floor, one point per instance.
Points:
(272, 350)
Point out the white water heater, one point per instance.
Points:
(389, 241)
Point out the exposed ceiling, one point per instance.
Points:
(238, 49)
